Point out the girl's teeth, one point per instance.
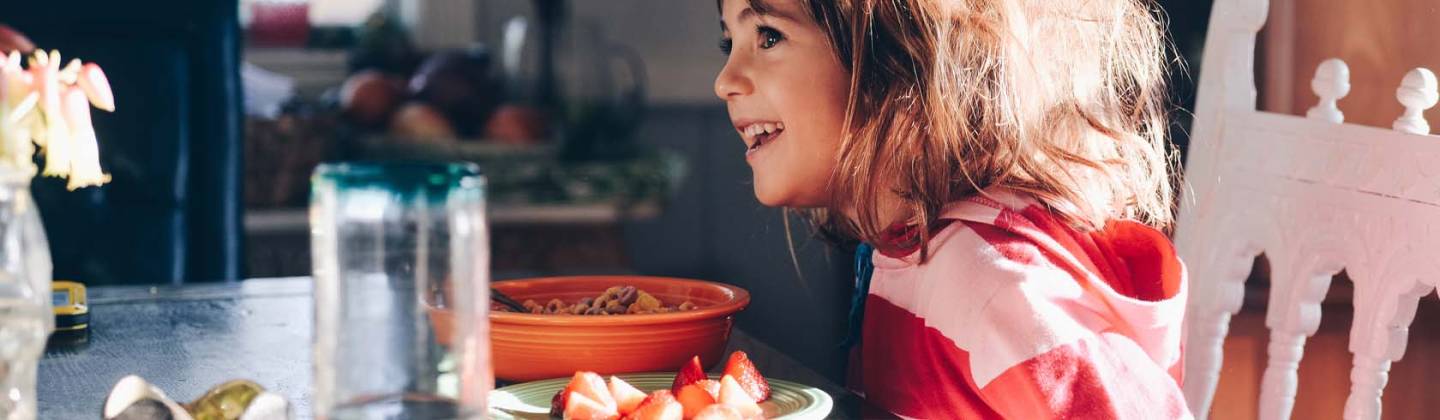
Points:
(763, 128)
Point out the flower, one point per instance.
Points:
(45, 105)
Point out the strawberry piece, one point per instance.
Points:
(747, 376)
(557, 403)
(627, 397)
(662, 409)
(689, 374)
(733, 395)
(658, 397)
(589, 384)
(710, 385)
(693, 398)
(719, 412)
(580, 407)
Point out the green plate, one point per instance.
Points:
(531, 400)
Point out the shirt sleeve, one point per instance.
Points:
(1105, 376)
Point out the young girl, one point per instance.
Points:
(1007, 160)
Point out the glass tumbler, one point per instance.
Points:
(401, 265)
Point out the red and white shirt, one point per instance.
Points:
(1016, 315)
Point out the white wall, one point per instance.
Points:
(677, 38)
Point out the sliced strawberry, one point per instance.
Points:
(627, 397)
(749, 378)
(733, 395)
(689, 374)
(694, 397)
(589, 384)
(718, 412)
(557, 403)
(658, 397)
(580, 407)
(710, 385)
(666, 409)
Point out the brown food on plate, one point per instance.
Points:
(618, 300)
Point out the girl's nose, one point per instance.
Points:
(732, 81)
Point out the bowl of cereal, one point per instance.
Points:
(607, 324)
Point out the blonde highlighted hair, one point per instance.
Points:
(1061, 99)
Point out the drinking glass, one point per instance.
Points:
(401, 266)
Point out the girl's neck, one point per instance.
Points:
(890, 210)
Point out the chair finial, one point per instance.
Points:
(1331, 82)
(1417, 93)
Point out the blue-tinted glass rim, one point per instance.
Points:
(432, 174)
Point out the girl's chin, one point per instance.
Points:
(789, 199)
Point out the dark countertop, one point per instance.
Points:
(187, 339)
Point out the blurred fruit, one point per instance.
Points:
(659, 409)
(694, 397)
(417, 121)
(592, 385)
(689, 374)
(733, 395)
(657, 397)
(591, 390)
(627, 397)
(747, 376)
(516, 124)
(719, 412)
(580, 407)
(460, 84)
(369, 97)
(557, 403)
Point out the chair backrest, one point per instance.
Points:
(1316, 196)
(172, 211)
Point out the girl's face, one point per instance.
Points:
(786, 92)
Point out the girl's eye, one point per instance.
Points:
(769, 37)
(725, 45)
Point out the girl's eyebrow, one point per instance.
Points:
(759, 8)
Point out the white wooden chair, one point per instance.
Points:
(1314, 195)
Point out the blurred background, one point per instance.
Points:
(595, 121)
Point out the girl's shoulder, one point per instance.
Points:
(1006, 270)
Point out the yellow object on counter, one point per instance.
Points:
(72, 308)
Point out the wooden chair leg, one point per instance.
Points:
(1384, 310)
(1206, 354)
(1299, 282)
(1277, 388)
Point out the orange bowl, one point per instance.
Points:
(527, 346)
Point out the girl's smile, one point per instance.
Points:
(756, 134)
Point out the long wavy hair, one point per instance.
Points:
(1061, 99)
